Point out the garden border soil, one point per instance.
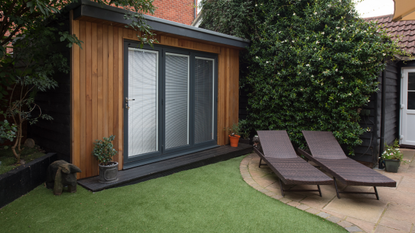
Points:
(24, 178)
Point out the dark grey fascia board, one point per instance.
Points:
(407, 63)
(116, 15)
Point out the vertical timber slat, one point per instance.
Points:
(119, 97)
(94, 67)
(75, 102)
(88, 95)
(110, 80)
(234, 88)
(100, 82)
(105, 109)
(83, 103)
(221, 97)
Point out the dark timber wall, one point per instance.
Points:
(392, 102)
(367, 152)
(55, 135)
(371, 147)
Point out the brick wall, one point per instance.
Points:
(180, 11)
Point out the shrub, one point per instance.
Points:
(104, 150)
(310, 66)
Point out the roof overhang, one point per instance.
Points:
(88, 9)
(404, 10)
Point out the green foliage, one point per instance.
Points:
(104, 150)
(310, 66)
(8, 161)
(392, 152)
(243, 131)
(234, 130)
(31, 34)
(7, 130)
(238, 129)
(32, 21)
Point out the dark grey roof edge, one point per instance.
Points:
(113, 14)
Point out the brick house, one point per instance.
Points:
(180, 11)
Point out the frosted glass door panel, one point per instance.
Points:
(204, 112)
(411, 91)
(177, 100)
(143, 96)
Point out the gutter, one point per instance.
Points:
(382, 119)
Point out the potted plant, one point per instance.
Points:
(234, 134)
(104, 151)
(392, 157)
(243, 132)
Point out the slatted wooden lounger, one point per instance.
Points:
(281, 157)
(327, 153)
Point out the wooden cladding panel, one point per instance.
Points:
(96, 92)
(97, 88)
(83, 103)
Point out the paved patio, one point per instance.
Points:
(394, 212)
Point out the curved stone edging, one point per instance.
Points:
(246, 175)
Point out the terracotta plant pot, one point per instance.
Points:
(108, 173)
(234, 140)
(392, 165)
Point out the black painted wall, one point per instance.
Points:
(392, 102)
(55, 135)
(371, 148)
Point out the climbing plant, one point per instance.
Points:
(311, 64)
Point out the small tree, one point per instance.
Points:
(29, 64)
(311, 64)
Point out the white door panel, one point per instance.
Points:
(142, 101)
(408, 107)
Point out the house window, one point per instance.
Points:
(170, 102)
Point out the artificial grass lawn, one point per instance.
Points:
(8, 161)
(212, 198)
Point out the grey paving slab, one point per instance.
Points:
(394, 212)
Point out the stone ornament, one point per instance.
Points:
(61, 174)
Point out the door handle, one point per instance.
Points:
(126, 102)
(126, 99)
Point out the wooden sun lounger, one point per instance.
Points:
(327, 153)
(281, 157)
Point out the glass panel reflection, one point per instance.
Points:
(411, 81)
(411, 100)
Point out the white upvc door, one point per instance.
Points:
(407, 125)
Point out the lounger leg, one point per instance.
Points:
(337, 190)
(260, 163)
(319, 190)
(282, 190)
(376, 192)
